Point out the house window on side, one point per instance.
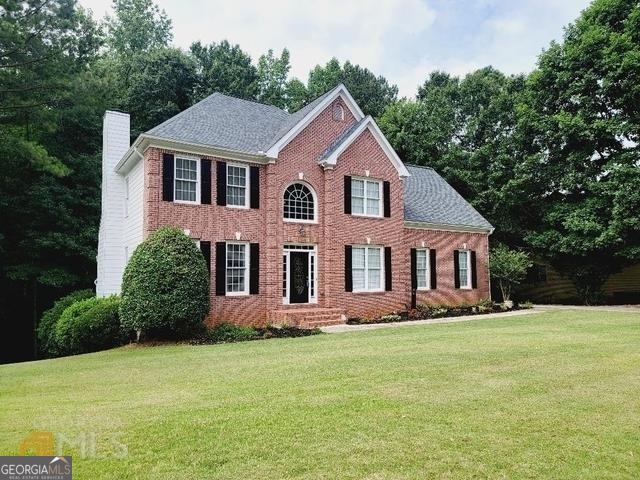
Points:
(366, 265)
(237, 269)
(422, 269)
(299, 203)
(464, 269)
(237, 186)
(186, 182)
(366, 197)
(338, 112)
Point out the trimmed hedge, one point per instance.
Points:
(46, 327)
(165, 287)
(89, 326)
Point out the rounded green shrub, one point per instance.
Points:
(165, 287)
(46, 327)
(89, 326)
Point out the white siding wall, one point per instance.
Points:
(111, 247)
(133, 221)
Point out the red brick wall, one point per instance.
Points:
(331, 232)
(445, 243)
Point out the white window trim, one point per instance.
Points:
(380, 200)
(247, 185)
(197, 180)
(366, 269)
(427, 272)
(468, 286)
(313, 252)
(315, 204)
(247, 270)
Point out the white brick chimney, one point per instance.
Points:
(111, 258)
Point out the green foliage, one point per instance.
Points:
(138, 26)
(372, 93)
(89, 325)
(47, 346)
(229, 332)
(165, 287)
(226, 332)
(272, 78)
(508, 267)
(224, 68)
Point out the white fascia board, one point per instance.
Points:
(370, 124)
(340, 91)
(447, 227)
(144, 141)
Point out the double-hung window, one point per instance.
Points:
(367, 269)
(422, 268)
(464, 269)
(237, 185)
(366, 197)
(237, 269)
(186, 180)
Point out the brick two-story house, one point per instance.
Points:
(306, 218)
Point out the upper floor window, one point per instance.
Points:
(338, 112)
(366, 197)
(237, 185)
(186, 181)
(299, 203)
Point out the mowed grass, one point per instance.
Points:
(547, 395)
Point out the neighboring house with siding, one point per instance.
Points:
(306, 218)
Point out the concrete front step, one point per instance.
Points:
(308, 317)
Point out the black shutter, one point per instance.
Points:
(221, 183)
(205, 181)
(432, 267)
(348, 274)
(387, 269)
(474, 276)
(254, 184)
(414, 269)
(221, 268)
(386, 190)
(347, 196)
(456, 269)
(205, 248)
(167, 177)
(254, 268)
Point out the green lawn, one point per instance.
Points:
(547, 395)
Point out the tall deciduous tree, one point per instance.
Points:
(583, 108)
(224, 68)
(372, 93)
(137, 26)
(272, 78)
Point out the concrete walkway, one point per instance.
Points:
(469, 318)
(464, 318)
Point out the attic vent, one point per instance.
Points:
(338, 112)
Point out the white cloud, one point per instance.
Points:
(403, 40)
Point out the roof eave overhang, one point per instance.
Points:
(368, 123)
(448, 227)
(144, 141)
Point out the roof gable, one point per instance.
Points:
(329, 158)
(306, 115)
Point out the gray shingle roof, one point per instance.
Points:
(429, 198)
(226, 122)
(340, 139)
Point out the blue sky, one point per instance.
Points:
(403, 40)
